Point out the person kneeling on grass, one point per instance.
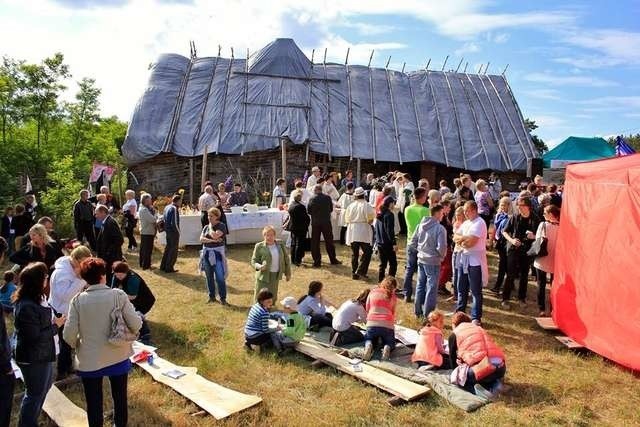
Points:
(481, 363)
(430, 351)
(295, 325)
(381, 315)
(257, 331)
(314, 306)
(344, 332)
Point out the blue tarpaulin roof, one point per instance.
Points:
(229, 106)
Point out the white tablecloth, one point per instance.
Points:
(243, 227)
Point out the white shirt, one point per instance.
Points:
(372, 196)
(131, 206)
(547, 263)
(275, 258)
(344, 201)
(311, 182)
(348, 313)
(330, 190)
(206, 202)
(478, 252)
(358, 220)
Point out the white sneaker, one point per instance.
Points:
(386, 352)
(368, 351)
(476, 322)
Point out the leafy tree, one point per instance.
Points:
(540, 145)
(83, 114)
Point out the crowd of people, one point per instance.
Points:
(62, 293)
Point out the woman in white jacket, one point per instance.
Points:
(545, 264)
(64, 284)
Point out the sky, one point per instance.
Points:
(573, 66)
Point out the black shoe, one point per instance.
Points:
(212, 301)
(224, 302)
(364, 277)
(336, 262)
(316, 265)
(170, 271)
(408, 300)
(355, 277)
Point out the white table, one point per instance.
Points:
(244, 227)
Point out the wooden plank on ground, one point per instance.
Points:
(217, 400)
(390, 383)
(546, 323)
(569, 343)
(63, 411)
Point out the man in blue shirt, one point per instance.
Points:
(171, 216)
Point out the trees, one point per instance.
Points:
(632, 140)
(52, 141)
(540, 145)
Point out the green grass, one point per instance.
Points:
(547, 384)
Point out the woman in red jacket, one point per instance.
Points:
(481, 363)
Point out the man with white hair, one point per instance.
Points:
(313, 179)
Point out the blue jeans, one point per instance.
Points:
(472, 280)
(215, 275)
(38, 378)
(427, 289)
(454, 269)
(412, 266)
(388, 336)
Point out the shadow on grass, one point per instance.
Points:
(521, 395)
(174, 343)
(143, 413)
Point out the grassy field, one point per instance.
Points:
(547, 384)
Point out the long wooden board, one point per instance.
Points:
(217, 400)
(390, 383)
(546, 323)
(63, 411)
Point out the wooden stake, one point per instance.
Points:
(273, 173)
(283, 149)
(204, 168)
(358, 172)
(445, 62)
(191, 180)
(458, 67)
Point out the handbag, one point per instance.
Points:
(539, 246)
(120, 334)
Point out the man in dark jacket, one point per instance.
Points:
(298, 225)
(83, 219)
(109, 240)
(7, 378)
(171, 217)
(320, 208)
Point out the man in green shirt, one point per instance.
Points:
(413, 214)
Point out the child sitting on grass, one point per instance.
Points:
(430, 351)
(314, 306)
(381, 318)
(7, 289)
(295, 323)
(257, 331)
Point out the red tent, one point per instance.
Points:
(596, 289)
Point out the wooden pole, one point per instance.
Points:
(445, 62)
(191, 180)
(204, 167)
(283, 148)
(358, 172)
(273, 173)
(459, 65)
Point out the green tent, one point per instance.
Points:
(579, 149)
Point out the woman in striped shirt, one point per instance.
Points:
(256, 330)
(381, 314)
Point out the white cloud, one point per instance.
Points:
(469, 47)
(549, 94)
(560, 80)
(368, 29)
(610, 48)
(549, 121)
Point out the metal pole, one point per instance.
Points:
(393, 113)
(435, 106)
(349, 106)
(445, 62)
(504, 107)
(244, 105)
(415, 112)
(326, 86)
(475, 121)
(224, 102)
(460, 64)
(495, 116)
(372, 109)
(534, 151)
(308, 112)
(455, 116)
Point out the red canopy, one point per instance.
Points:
(596, 288)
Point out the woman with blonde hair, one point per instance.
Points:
(271, 262)
(381, 318)
(213, 260)
(484, 201)
(41, 248)
(64, 284)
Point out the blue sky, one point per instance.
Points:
(573, 66)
